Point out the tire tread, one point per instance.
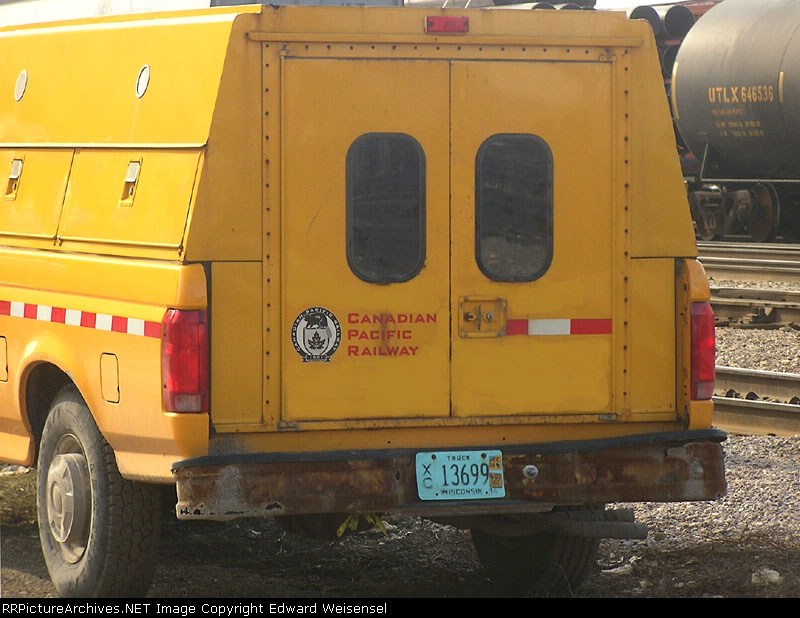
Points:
(126, 515)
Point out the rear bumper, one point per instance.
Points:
(673, 467)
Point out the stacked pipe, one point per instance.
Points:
(671, 24)
(538, 6)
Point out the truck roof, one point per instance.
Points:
(19, 12)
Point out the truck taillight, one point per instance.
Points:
(704, 372)
(184, 361)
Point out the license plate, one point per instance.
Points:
(460, 475)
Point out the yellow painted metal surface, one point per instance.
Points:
(652, 337)
(105, 212)
(701, 415)
(659, 210)
(82, 80)
(429, 434)
(69, 311)
(237, 122)
(29, 214)
(393, 358)
(226, 221)
(697, 281)
(62, 275)
(237, 352)
(538, 374)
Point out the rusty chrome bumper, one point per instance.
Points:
(673, 467)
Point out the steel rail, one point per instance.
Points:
(750, 262)
(760, 418)
(742, 250)
(755, 402)
(756, 306)
(747, 262)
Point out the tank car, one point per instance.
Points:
(735, 94)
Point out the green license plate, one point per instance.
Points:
(460, 475)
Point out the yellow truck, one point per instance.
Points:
(330, 264)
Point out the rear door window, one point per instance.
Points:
(385, 207)
(513, 207)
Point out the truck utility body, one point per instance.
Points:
(320, 262)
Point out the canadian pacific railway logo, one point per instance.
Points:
(316, 334)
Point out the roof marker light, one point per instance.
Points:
(447, 24)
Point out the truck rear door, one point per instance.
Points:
(447, 249)
(531, 238)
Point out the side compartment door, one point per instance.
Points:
(365, 235)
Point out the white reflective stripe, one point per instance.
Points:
(103, 321)
(84, 319)
(72, 317)
(43, 312)
(548, 327)
(135, 326)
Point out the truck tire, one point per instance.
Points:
(540, 564)
(99, 532)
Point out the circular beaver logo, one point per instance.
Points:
(316, 334)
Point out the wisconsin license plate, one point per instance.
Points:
(460, 475)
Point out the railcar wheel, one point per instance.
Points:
(706, 215)
(707, 228)
(762, 224)
(540, 564)
(98, 532)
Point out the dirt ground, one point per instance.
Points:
(411, 559)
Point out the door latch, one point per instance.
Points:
(481, 316)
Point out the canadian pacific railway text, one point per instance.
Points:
(384, 334)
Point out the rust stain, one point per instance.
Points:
(646, 473)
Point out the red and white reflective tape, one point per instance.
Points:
(76, 317)
(601, 326)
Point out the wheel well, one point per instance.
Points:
(44, 381)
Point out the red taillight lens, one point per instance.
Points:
(444, 24)
(184, 361)
(704, 372)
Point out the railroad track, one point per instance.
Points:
(747, 262)
(756, 307)
(741, 261)
(753, 402)
(750, 401)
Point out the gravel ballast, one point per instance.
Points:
(746, 544)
